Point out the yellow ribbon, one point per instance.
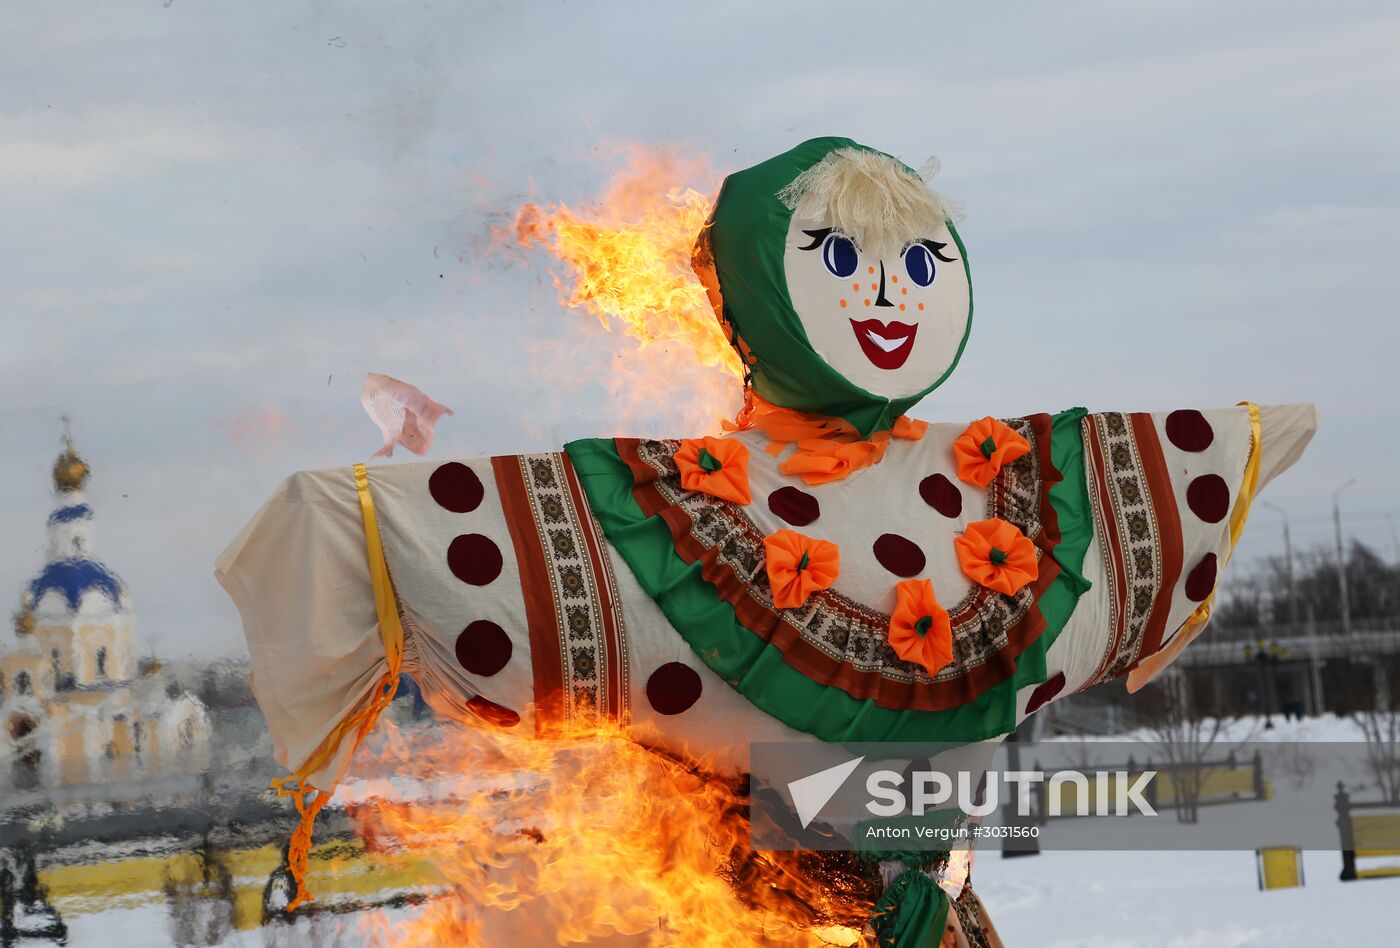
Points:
(1240, 514)
(361, 721)
(386, 605)
(1150, 667)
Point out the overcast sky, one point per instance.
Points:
(214, 219)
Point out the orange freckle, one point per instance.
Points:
(855, 286)
(870, 269)
(904, 291)
(921, 306)
(893, 278)
(843, 304)
(874, 286)
(901, 307)
(867, 302)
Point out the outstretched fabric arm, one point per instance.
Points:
(300, 577)
(308, 558)
(1279, 434)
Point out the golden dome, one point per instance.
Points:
(70, 472)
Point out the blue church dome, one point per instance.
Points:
(69, 514)
(75, 577)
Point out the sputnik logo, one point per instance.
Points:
(1116, 793)
(811, 793)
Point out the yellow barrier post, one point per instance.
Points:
(1280, 867)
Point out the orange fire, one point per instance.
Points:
(628, 256)
(558, 841)
(591, 835)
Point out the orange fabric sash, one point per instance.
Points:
(828, 448)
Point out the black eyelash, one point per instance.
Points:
(936, 248)
(817, 237)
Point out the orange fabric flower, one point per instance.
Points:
(799, 565)
(715, 466)
(984, 448)
(919, 629)
(997, 555)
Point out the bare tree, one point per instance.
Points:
(1296, 761)
(1381, 728)
(1183, 737)
(1259, 596)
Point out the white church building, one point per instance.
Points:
(77, 704)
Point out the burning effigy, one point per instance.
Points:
(826, 568)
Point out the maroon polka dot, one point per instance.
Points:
(456, 487)
(483, 648)
(1201, 580)
(797, 507)
(493, 712)
(474, 559)
(1209, 498)
(898, 555)
(1045, 691)
(673, 688)
(1189, 430)
(940, 494)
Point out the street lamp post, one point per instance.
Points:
(1341, 556)
(1261, 660)
(1288, 557)
(1294, 620)
(1266, 658)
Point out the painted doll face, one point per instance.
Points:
(891, 326)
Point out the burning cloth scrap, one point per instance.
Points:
(403, 413)
(829, 569)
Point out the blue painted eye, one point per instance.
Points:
(918, 261)
(839, 255)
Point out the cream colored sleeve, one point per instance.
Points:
(299, 575)
(1285, 431)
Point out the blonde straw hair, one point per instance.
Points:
(871, 198)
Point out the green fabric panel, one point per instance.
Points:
(748, 235)
(756, 669)
(1070, 499)
(911, 913)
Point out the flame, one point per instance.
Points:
(591, 836)
(624, 258)
(628, 255)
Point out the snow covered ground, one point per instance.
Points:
(1054, 900)
(1326, 729)
(1179, 900)
(1058, 899)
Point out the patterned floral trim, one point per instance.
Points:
(577, 638)
(836, 640)
(977, 928)
(1132, 501)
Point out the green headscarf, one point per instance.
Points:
(746, 240)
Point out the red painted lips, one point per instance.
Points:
(887, 345)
